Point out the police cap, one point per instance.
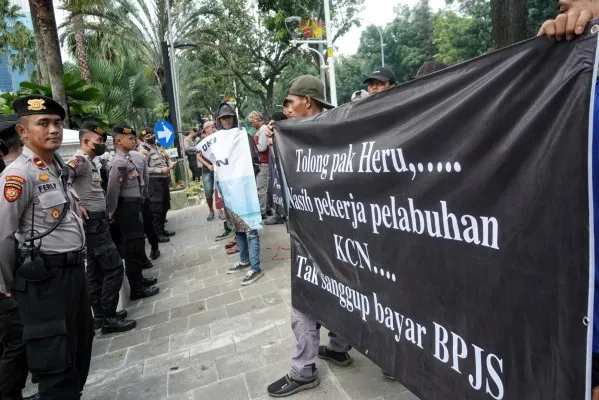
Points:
(122, 130)
(93, 127)
(37, 105)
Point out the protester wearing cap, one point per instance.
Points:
(208, 129)
(49, 285)
(104, 264)
(159, 169)
(10, 142)
(304, 374)
(381, 79)
(306, 92)
(125, 196)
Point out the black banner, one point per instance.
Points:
(442, 226)
(274, 194)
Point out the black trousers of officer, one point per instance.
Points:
(13, 357)
(166, 199)
(149, 228)
(57, 326)
(156, 196)
(131, 227)
(104, 266)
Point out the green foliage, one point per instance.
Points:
(194, 188)
(16, 39)
(458, 38)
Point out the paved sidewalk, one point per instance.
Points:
(205, 337)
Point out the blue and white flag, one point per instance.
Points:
(229, 152)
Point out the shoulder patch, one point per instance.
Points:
(15, 178)
(12, 191)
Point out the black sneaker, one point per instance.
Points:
(154, 254)
(273, 221)
(147, 264)
(144, 292)
(114, 324)
(224, 235)
(251, 277)
(286, 386)
(169, 233)
(238, 266)
(149, 281)
(163, 239)
(98, 318)
(337, 358)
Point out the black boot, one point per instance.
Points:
(143, 292)
(114, 324)
(149, 281)
(147, 264)
(98, 318)
(168, 233)
(154, 254)
(163, 239)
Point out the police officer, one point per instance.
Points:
(151, 234)
(10, 142)
(39, 209)
(104, 264)
(158, 191)
(13, 361)
(125, 198)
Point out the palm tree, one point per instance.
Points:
(76, 19)
(15, 38)
(46, 38)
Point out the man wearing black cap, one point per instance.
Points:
(158, 191)
(125, 196)
(380, 80)
(306, 98)
(104, 264)
(47, 277)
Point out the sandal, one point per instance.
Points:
(233, 250)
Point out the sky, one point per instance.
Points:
(377, 12)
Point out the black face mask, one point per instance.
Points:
(2, 165)
(99, 149)
(151, 140)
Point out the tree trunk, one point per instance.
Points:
(509, 21)
(48, 34)
(39, 45)
(81, 47)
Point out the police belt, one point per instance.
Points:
(97, 214)
(131, 200)
(71, 258)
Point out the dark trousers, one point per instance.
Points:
(157, 204)
(131, 229)
(57, 329)
(149, 229)
(13, 357)
(104, 266)
(196, 170)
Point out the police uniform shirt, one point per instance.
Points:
(156, 161)
(142, 166)
(87, 182)
(32, 194)
(124, 180)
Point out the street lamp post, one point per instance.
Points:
(323, 65)
(382, 41)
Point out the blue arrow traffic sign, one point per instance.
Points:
(165, 134)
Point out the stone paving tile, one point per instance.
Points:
(223, 299)
(245, 306)
(240, 362)
(207, 317)
(188, 309)
(233, 348)
(234, 388)
(191, 378)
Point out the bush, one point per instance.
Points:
(194, 189)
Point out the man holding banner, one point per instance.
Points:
(306, 98)
(233, 154)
